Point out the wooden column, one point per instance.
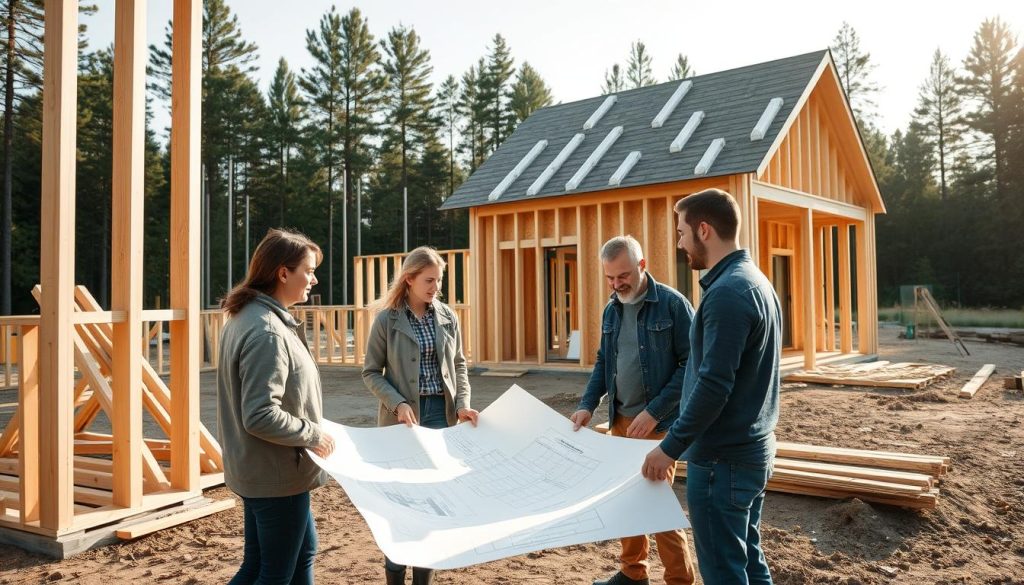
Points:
(186, 83)
(29, 415)
(830, 293)
(819, 290)
(518, 269)
(807, 281)
(495, 292)
(129, 143)
(845, 293)
(539, 289)
(57, 264)
(864, 296)
(477, 260)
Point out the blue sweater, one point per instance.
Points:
(730, 401)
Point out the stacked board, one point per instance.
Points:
(881, 374)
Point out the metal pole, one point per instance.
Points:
(206, 238)
(359, 217)
(231, 216)
(247, 228)
(405, 219)
(344, 236)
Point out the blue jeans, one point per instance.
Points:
(725, 502)
(432, 416)
(280, 541)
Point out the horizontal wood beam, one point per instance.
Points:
(794, 198)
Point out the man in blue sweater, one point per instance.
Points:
(730, 403)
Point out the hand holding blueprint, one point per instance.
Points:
(520, 481)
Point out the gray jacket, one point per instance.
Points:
(391, 368)
(269, 403)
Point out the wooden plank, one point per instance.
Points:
(538, 252)
(845, 291)
(830, 290)
(57, 257)
(28, 463)
(807, 265)
(975, 383)
(129, 134)
(143, 528)
(880, 459)
(186, 103)
(520, 325)
(921, 480)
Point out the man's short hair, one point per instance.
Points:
(714, 207)
(619, 244)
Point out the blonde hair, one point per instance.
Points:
(415, 262)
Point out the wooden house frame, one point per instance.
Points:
(779, 136)
(64, 488)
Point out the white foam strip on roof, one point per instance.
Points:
(517, 170)
(709, 156)
(671, 104)
(600, 112)
(593, 159)
(627, 165)
(556, 164)
(687, 131)
(770, 111)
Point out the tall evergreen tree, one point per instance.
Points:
(407, 71)
(613, 80)
(496, 92)
(854, 67)
(283, 129)
(938, 113)
(473, 109)
(988, 83)
(681, 69)
(447, 104)
(529, 93)
(638, 67)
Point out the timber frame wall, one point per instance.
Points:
(46, 445)
(815, 189)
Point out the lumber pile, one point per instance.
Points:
(897, 479)
(880, 374)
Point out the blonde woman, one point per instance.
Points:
(414, 363)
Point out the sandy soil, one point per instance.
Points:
(976, 535)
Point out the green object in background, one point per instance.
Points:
(910, 331)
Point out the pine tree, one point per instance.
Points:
(854, 67)
(447, 104)
(638, 67)
(988, 84)
(407, 71)
(938, 114)
(529, 93)
(284, 129)
(473, 109)
(681, 69)
(496, 92)
(613, 81)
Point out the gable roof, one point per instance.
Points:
(732, 103)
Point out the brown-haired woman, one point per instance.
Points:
(414, 362)
(269, 407)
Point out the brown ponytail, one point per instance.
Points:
(278, 248)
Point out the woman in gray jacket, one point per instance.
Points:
(414, 363)
(269, 408)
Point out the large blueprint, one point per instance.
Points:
(520, 481)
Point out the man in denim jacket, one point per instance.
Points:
(730, 396)
(640, 366)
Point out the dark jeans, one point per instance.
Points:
(432, 416)
(725, 502)
(280, 542)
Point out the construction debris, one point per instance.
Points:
(881, 374)
(1014, 382)
(979, 379)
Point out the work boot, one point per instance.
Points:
(620, 579)
(421, 576)
(394, 577)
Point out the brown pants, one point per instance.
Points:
(672, 546)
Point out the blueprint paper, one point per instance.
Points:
(520, 481)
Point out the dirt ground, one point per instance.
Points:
(976, 535)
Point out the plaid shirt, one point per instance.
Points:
(426, 336)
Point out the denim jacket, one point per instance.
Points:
(663, 330)
(731, 393)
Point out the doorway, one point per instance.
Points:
(562, 304)
(782, 280)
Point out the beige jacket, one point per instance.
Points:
(391, 368)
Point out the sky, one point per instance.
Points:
(572, 43)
